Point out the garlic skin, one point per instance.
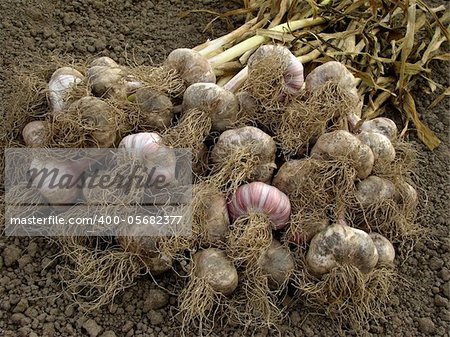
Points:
(373, 189)
(147, 148)
(258, 197)
(106, 82)
(382, 148)
(36, 133)
(191, 66)
(341, 244)
(385, 249)
(342, 145)
(221, 105)
(248, 139)
(59, 86)
(292, 67)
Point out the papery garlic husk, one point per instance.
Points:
(62, 82)
(152, 110)
(337, 73)
(190, 66)
(36, 134)
(343, 146)
(385, 249)
(219, 104)
(340, 244)
(242, 155)
(148, 149)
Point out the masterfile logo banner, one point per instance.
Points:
(91, 192)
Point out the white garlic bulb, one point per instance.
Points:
(59, 86)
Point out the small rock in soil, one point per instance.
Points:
(156, 299)
(436, 263)
(426, 325)
(11, 254)
(92, 328)
(440, 301)
(21, 306)
(155, 317)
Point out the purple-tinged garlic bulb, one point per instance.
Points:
(258, 197)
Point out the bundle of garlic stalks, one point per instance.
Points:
(387, 45)
(300, 187)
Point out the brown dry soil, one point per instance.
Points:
(31, 303)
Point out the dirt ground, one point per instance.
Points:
(31, 301)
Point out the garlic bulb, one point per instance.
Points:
(155, 109)
(382, 125)
(406, 194)
(374, 189)
(331, 72)
(340, 244)
(59, 86)
(258, 197)
(213, 265)
(336, 73)
(98, 119)
(104, 61)
(277, 263)
(147, 148)
(248, 150)
(382, 148)
(60, 187)
(191, 66)
(342, 145)
(291, 68)
(36, 133)
(105, 81)
(385, 249)
(221, 105)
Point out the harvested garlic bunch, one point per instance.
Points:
(258, 197)
(337, 73)
(342, 145)
(382, 148)
(61, 83)
(191, 66)
(340, 244)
